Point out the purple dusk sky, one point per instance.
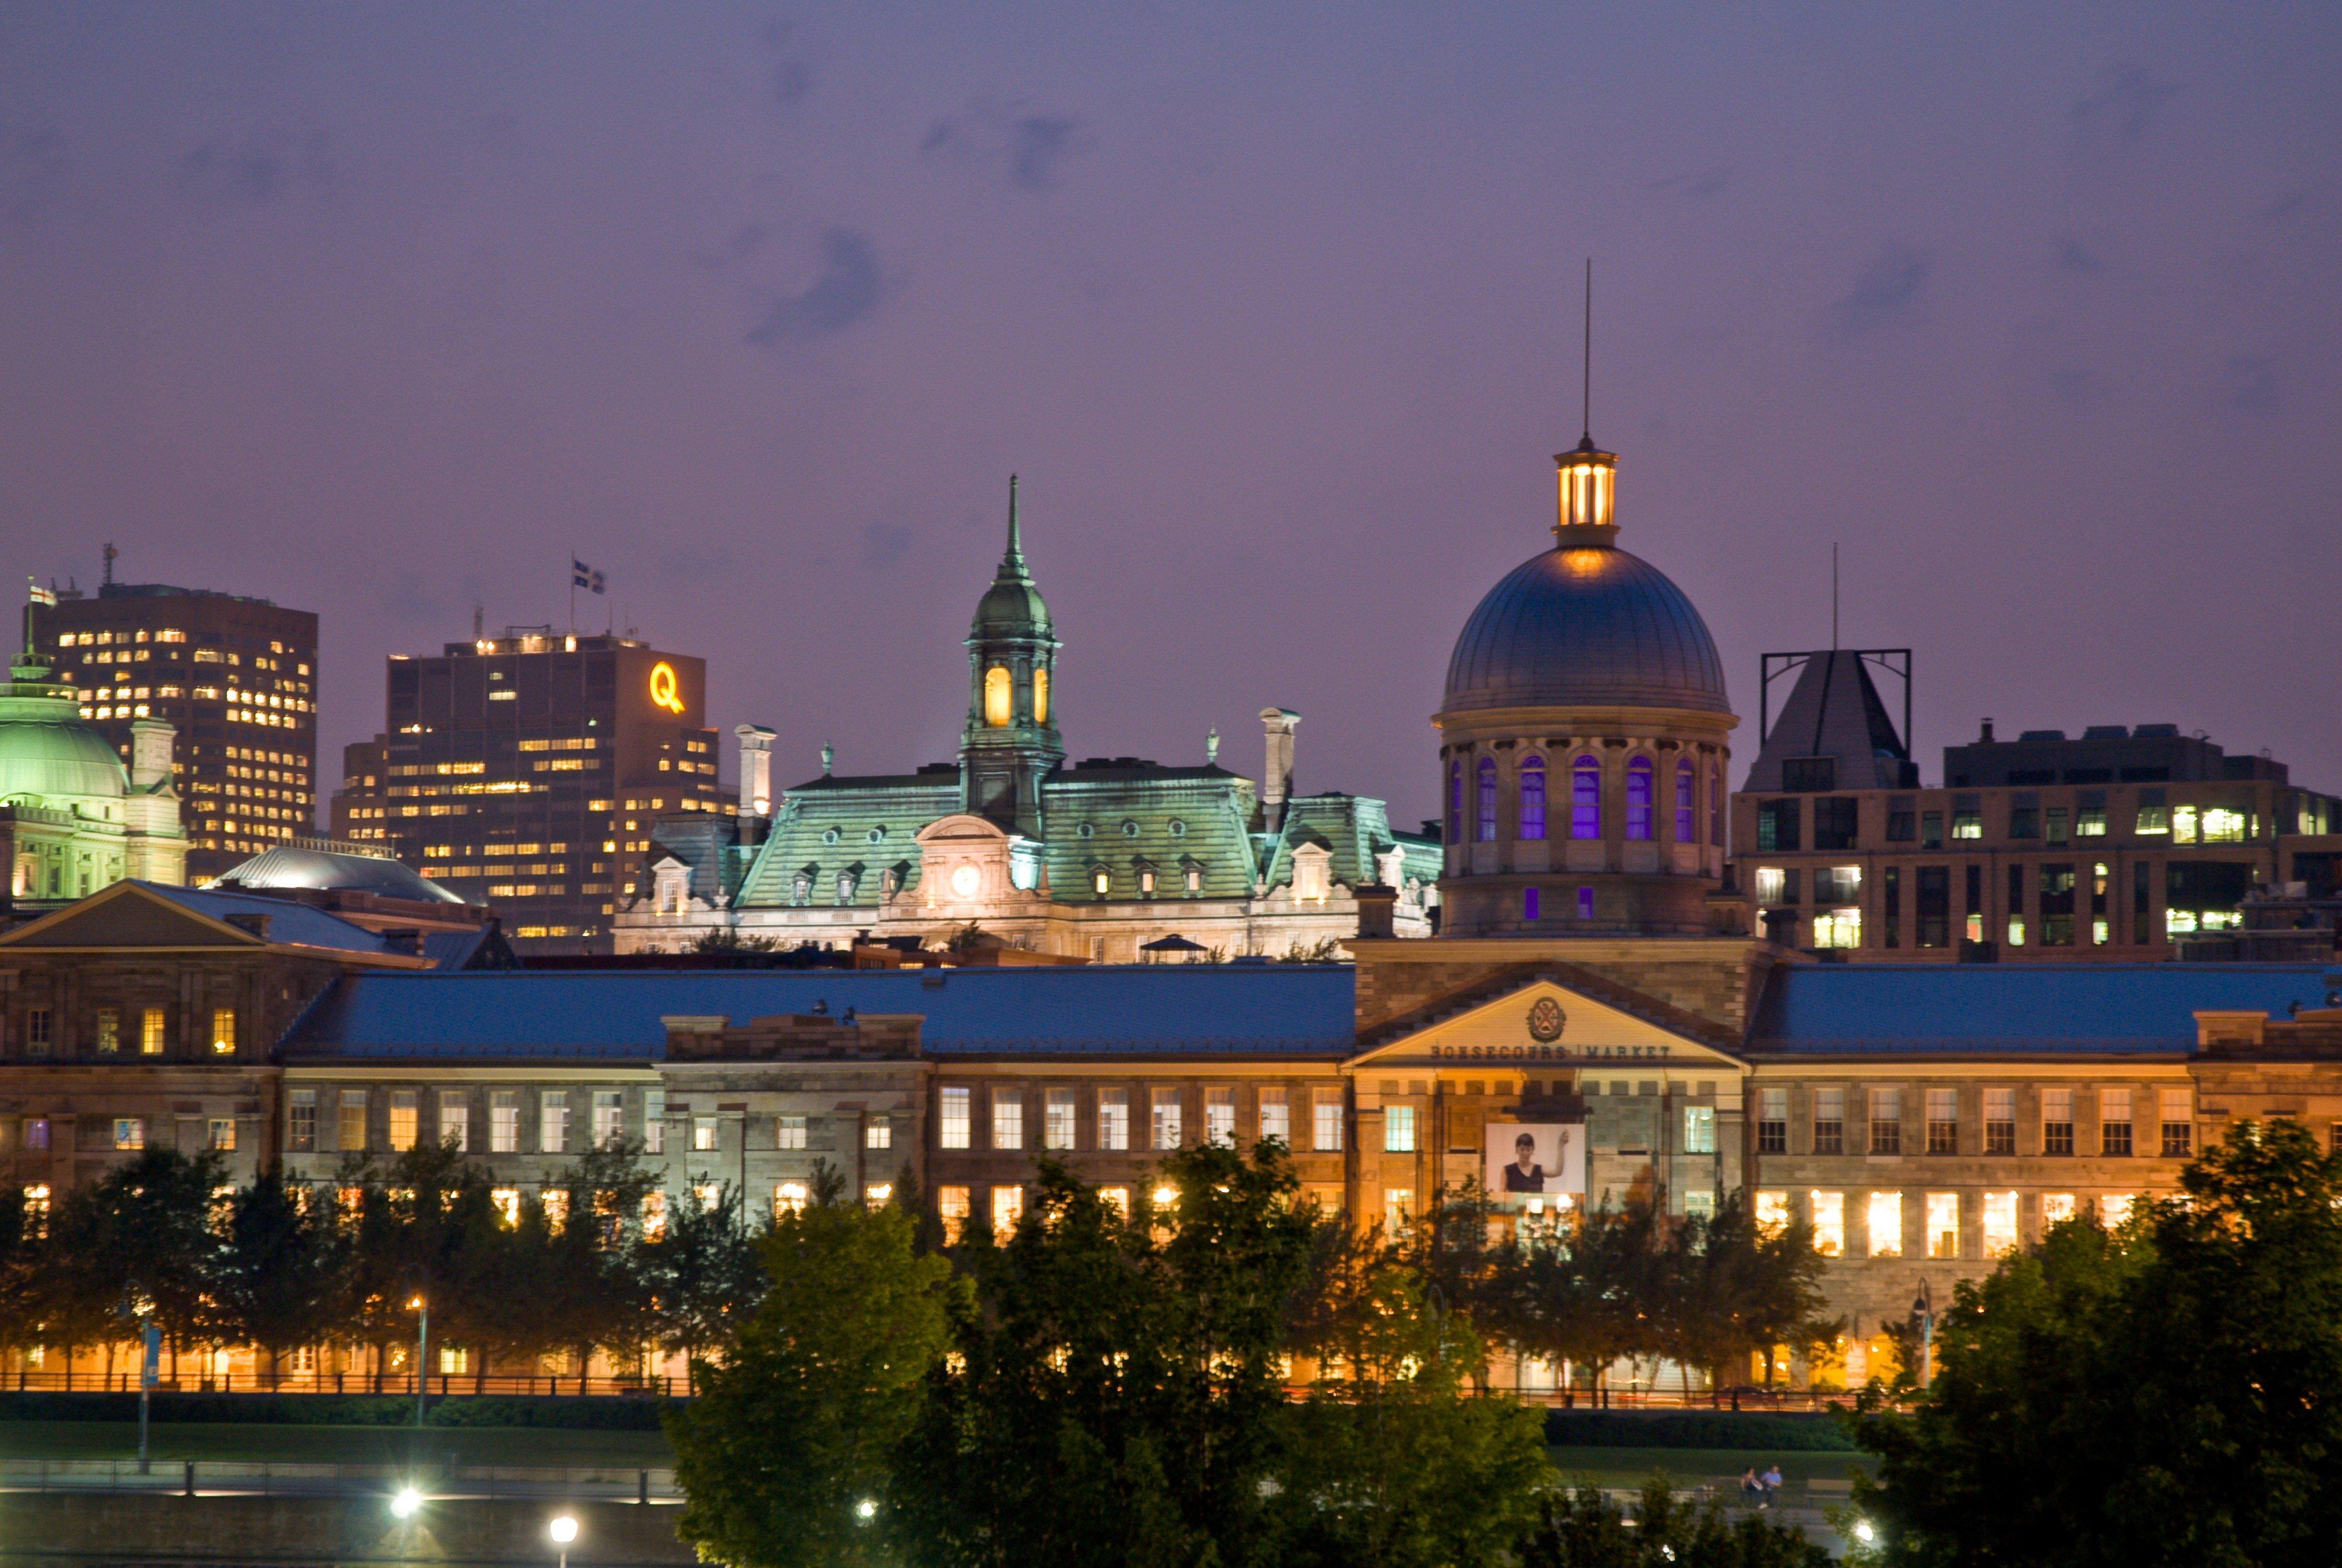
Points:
(383, 309)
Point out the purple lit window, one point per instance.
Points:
(1533, 801)
(1638, 798)
(1529, 905)
(1586, 798)
(1487, 790)
(1687, 817)
(1584, 903)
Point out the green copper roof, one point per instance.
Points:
(1012, 606)
(46, 750)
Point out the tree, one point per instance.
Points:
(1584, 1529)
(1391, 1464)
(139, 1239)
(1731, 1290)
(730, 941)
(790, 1437)
(1115, 1391)
(279, 1284)
(2170, 1394)
(703, 1275)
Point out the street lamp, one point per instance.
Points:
(422, 1350)
(406, 1502)
(1923, 1308)
(564, 1530)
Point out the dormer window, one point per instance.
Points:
(1101, 880)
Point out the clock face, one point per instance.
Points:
(965, 880)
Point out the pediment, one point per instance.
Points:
(128, 915)
(961, 828)
(1543, 1022)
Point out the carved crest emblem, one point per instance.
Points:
(1545, 1020)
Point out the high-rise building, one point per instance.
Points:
(235, 676)
(522, 770)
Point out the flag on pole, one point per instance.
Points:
(43, 596)
(581, 575)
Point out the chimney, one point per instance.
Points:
(1376, 904)
(150, 752)
(1276, 780)
(755, 770)
(1985, 738)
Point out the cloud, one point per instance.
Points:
(744, 243)
(1025, 149)
(257, 172)
(2248, 385)
(790, 71)
(2133, 108)
(31, 165)
(848, 291)
(2073, 256)
(1697, 184)
(1888, 284)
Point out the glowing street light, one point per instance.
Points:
(1864, 1532)
(406, 1502)
(866, 1509)
(564, 1530)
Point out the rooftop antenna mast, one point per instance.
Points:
(110, 553)
(1586, 365)
(1833, 595)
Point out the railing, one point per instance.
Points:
(439, 1385)
(220, 1478)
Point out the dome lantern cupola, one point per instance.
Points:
(1011, 741)
(1589, 484)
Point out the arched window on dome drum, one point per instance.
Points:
(1486, 825)
(1533, 798)
(1686, 804)
(995, 698)
(1586, 797)
(1455, 802)
(1639, 824)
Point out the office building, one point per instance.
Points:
(235, 676)
(2127, 845)
(523, 771)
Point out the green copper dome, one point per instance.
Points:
(1012, 606)
(46, 750)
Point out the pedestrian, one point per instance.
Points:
(1748, 1487)
(1771, 1482)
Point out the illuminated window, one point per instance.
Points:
(1113, 1118)
(789, 1198)
(402, 1119)
(1686, 806)
(455, 1122)
(223, 1030)
(300, 1122)
(1943, 1224)
(1008, 1119)
(995, 698)
(1999, 1221)
(2056, 1208)
(1274, 1119)
(1008, 1208)
(1772, 885)
(1484, 819)
(129, 1132)
(952, 1209)
(789, 1132)
(1885, 1224)
(1586, 797)
(1828, 1222)
(1838, 927)
(1967, 824)
(220, 1134)
(609, 1107)
(1116, 1198)
(2153, 819)
(36, 1210)
(2179, 1124)
(1398, 1130)
(350, 1121)
(952, 1130)
(704, 1135)
(1040, 696)
(2056, 1120)
(2000, 1120)
(2222, 825)
(1164, 1121)
(1700, 1129)
(1399, 1204)
(878, 1133)
(504, 1122)
(553, 1122)
(2114, 1208)
(1639, 824)
(2183, 824)
(1220, 1116)
(1533, 798)
(1057, 1120)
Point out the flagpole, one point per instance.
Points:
(573, 590)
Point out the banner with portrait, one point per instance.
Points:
(1527, 1159)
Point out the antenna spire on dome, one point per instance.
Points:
(1016, 554)
(1589, 475)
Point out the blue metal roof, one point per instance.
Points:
(1144, 1010)
(1585, 627)
(300, 925)
(2009, 1009)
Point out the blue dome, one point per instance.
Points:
(1586, 628)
